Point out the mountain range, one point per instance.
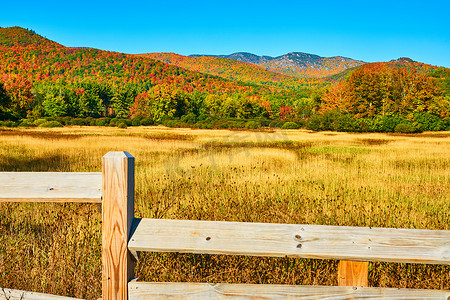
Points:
(297, 64)
(25, 52)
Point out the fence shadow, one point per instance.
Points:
(53, 162)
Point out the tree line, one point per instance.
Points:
(374, 97)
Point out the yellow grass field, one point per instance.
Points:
(295, 176)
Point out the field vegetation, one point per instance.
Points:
(279, 176)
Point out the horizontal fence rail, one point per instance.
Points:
(306, 241)
(219, 291)
(50, 187)
(9, 294)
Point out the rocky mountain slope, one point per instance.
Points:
(297, 64)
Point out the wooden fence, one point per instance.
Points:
(125, 236)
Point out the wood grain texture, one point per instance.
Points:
(161, 290)
(117, 214)
(9, 294)
(353, 273)
(50, 187)
(307, 241)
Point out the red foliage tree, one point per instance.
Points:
(286, 112)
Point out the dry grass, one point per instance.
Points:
(283, 176)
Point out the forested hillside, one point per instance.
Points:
(234, 70)
(17, 36)
(44, 78)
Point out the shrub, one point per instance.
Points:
(164, 119)
(65, 120)
(204, 117)
(236, 124)
(328, 119)
(388, 123)
(429, 122)
(26, 123)
(50, 124)
(223, 125)
(314, 123)
(39, 122)
(276, 124)
(113, 122)
(100, 122)
(447, 124)
(252, 125)
(136, 122)
(146, 122)
(264, 122)
(174, 123)
(122, 125)
(59, 119)
(206, 125)
(92, 123)
(8, 123)
(168, 123)
(404, 128)
(290, 125)
(189, 118)
(300, 122)
(376, 124)
(78, 121)
(344, 123)
(363, 125)
(88, 120)
(126, 121)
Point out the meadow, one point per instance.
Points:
(276, 176)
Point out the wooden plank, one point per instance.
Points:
(161, 290)
(117, 214)
(353, 273)
(10, 294)
(307, 241)
(50, 187)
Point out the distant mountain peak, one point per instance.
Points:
(403, 60)
(302, 55)
(298, 64)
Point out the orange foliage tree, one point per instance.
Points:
(383, 89)
(18, 89)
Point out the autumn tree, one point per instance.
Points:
(411, 92)
(286, 112)
(267, 106)
(382, 89)
(367, 90)
(304, 107)
(159, 102)
(18, 89)
(336, 98)
(123, 99)
(4, 101)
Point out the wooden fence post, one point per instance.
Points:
(117, 218)
(353, 273)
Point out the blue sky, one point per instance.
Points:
(365, 30)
